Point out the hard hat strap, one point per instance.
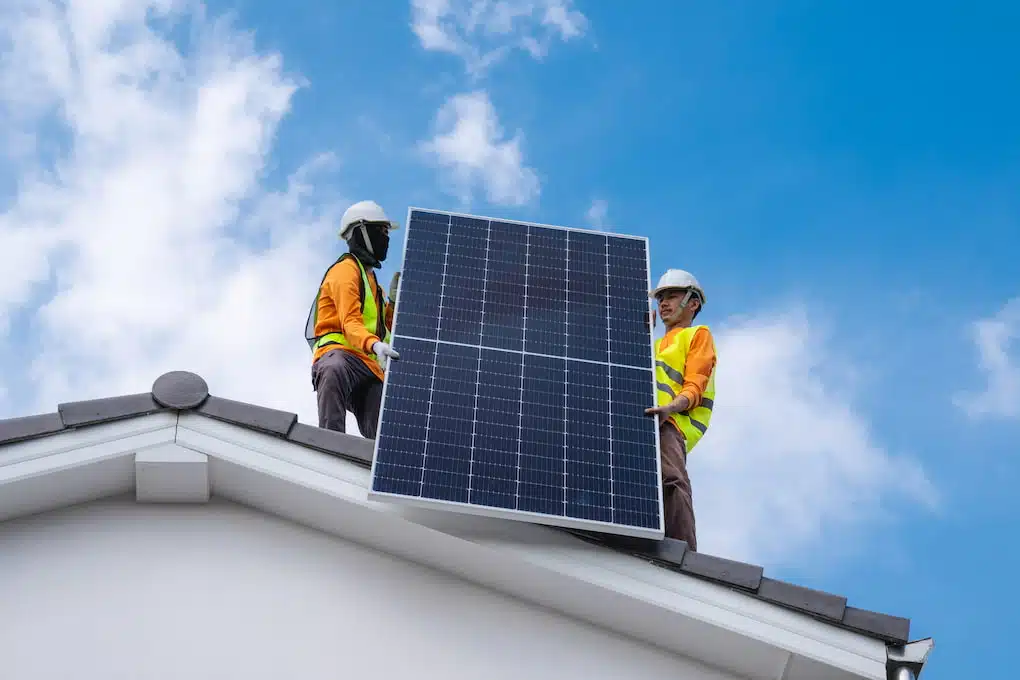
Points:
(368, 241)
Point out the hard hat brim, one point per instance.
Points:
(345, 231)
(654, 293)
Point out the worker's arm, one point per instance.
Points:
(698, 367)
(344, 285)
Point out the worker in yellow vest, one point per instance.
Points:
(685, 362)
(348, 326)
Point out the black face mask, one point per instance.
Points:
(378, 239)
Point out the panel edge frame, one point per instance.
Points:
(651, 339)
(393, 331)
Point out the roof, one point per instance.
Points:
(181, 391)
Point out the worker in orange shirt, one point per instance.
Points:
(685, 362)
(348, 327)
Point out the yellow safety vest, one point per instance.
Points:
(372, 308)
(670, 362)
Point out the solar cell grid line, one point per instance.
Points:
(433, 245)
(408, 439)
(586, 288)
(533, 406)
(546, 276)
(506, 293)
(422, 279)
(464, 276)
(520, 406)
(435, 360)
(629, 302)
(636, 475)
(404, 439)
(478, 368)
(446, 464)
(609, 339)
(497, 443)
(566, 368)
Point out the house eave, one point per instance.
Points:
(714, 624)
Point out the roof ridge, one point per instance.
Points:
(183, 391)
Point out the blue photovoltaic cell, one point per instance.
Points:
(524, 374)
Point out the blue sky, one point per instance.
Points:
(842, 177)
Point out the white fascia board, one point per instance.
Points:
(702, 601)
(76, 466)
(68, 440)
(687, 615)
(170, 473)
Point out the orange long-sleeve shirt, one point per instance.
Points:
(339, 310)
(699, 365)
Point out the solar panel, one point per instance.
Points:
(525, 370)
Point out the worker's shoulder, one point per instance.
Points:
(702, 335)
(339, 277)
(345, 268)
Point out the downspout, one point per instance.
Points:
(906, 662)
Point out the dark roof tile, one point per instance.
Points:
(336, 443)
(181, 390)
(803, 599)
(94, 411)
(730, 572)
(892, 629)
(667, 552)
(749, 578)
(248, 415)
(29, 427)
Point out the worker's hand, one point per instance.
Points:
(383, 353)
(394, 282)
(678, 405)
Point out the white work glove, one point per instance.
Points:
(394, 284)
(383, 353)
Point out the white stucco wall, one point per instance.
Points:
(115, 590)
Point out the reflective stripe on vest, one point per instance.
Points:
(670, 361)
(370, 314)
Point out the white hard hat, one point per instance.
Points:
(364, 212)
(678, 278)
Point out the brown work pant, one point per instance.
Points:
(343, 383)
(678, 500)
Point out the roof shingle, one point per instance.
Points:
(182, 390)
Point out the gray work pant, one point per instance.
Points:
(343, 383)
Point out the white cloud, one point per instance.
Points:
(598, 213)
(471, 147)
(788, 463)
(998, 344)
(134, 238)
(482, 32)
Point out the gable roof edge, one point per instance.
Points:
(182, 392)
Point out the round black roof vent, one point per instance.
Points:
(181, 390)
